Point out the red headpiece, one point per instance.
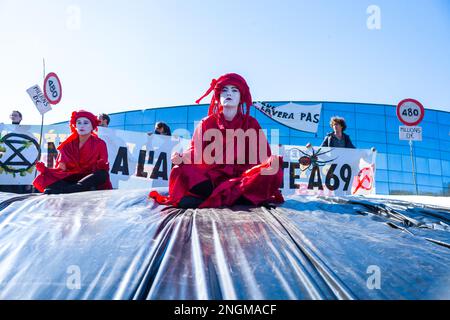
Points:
(217, 85)
(82, 113)
(73, 125)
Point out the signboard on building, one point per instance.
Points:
(293, 115)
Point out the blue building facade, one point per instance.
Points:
(369, 125)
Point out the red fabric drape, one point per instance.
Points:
(230, 181)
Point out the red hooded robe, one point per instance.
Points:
(92, 156)
(230, 181)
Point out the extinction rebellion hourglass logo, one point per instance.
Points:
(18, 154)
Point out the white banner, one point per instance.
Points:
(328, 171)
(296, 116)
(136, 160)
(141, 161)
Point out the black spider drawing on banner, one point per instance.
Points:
(311, 160)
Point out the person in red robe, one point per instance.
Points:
(82, 161)
(229, 160)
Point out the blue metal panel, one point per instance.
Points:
(174, 115)
(134, 118)
(394, 162)
(370, 109)
(382, 187)
(149, 117)
(340, 107)
(443, 118)
(370, 122)
(381, 161)
(117, 120)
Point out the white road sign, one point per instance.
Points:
(410, 133)
(39, 99)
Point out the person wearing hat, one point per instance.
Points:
(82, 161)
(212, 174)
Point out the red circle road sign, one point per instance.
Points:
(410, 112)
(52, 88)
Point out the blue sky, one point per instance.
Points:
(114, 56)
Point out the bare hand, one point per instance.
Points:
(176, 158)
(62, 166)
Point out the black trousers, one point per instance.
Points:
(88, 183)
(205, 189)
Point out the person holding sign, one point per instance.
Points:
(16, 117)
(161, 128)
(82, 161)
(216, 172)
(337, 138)
(104, 120)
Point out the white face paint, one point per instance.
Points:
(230, 96)
(84, 126)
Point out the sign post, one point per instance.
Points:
(410, 112)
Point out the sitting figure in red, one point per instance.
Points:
(82, 161)
(229, 160)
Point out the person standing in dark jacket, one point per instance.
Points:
(337, 138)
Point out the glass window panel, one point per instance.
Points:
(422, 165)
(400, 177)
(392, 138)
(445, 167)
(382, 187)
(370, 122)
(171, 114)
(394, 162)
(430, 115)
(196, 113)
(443, 117)
(372, 136)
(370, 108)
(397, 188)
(429, 129)
(444, 145)
(426, 153)
(432, 191)
(117, 120)
(444, 132)
(429, 180)
(406, 163)
(149, 117)
(428, 143)
(340, 107)
(446, 181)
(300, 134)
(134, 118)
(445, 155)
(381, 175)
(398, 149)
(381, 161)
(392, 125)
(390, 111)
